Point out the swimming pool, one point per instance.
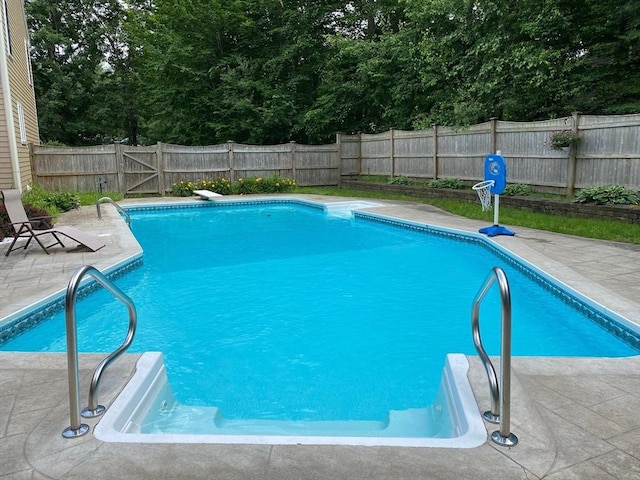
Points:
(352, 264)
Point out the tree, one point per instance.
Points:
(369, 82)
(79, 53)
(607, 73)
(270, 71)
(526, 60)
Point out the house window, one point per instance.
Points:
(7, 33)
(23, 128)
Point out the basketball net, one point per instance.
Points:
(483, 191)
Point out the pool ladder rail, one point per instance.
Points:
(500, 393)
(127, 217)
(77, 429)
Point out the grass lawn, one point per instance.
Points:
(611, 230)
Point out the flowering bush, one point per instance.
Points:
(560, 139)
(244, 186)
(183, 189)
(247, 186)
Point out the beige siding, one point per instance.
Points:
(22, 91)
(6, 178)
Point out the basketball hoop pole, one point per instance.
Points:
(495, 169)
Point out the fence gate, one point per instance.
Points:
(139, 172)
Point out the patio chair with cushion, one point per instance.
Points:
(23, 228)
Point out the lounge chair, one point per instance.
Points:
(23, 228)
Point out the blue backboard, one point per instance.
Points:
(495, 169)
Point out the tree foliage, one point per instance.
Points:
(76, 47)
(270, 71)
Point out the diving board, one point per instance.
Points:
(207, 194)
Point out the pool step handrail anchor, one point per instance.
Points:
(127, 217)
(500, 392)
(77, 429)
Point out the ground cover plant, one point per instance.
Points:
(517, 189)
(607, 195)
(454, 183)
(400, 180)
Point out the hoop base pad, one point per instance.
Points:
(494, 230)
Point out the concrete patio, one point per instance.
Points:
(576, 418)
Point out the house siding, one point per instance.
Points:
(21, 91)
(6, 177)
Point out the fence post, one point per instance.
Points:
(232, 174)
(117, 147)
(360, 151)
(493, 135)
(392, 153)
(339, 157)
(571, 167)
(292, 152)
(160, 165)
(435, 151)
(32, 164)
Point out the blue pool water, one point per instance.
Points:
(281, 312)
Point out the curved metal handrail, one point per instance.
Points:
(118, 207)
(77, 428)
(500, 393)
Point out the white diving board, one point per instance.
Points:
(207, 194)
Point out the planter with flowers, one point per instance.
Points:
(561, 139)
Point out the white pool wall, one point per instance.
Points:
(140, 395)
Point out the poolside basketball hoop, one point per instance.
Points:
(495, 181)
(483, 191)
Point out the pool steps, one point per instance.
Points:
(147, 412)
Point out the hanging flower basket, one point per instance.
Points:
(560, 139)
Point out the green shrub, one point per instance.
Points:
(607, 195)
(453, 183)
(53, 202)
(517, 189)
(400, 180)
(64, 201)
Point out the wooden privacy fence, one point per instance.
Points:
(154, 169)
(609, 153)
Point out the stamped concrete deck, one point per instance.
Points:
(575, 418)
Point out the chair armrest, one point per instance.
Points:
(36, 222)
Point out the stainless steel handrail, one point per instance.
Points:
(118, 207)
(500, 393)
(77, 429)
